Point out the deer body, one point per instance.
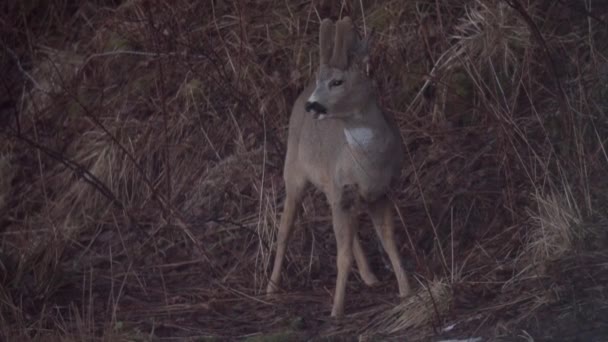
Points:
(342, 143)
(331, 153)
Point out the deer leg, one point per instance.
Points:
(382, 217)
(342, 212)
(293, 195)
(343, 228)
(348, 200)
(368, 276)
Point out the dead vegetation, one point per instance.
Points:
(141, 154)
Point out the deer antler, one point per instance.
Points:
(344, 40)
(326, 36)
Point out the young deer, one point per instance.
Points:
(341, 142)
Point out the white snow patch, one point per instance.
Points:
(449, 327)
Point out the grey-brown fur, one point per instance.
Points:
(341, 142)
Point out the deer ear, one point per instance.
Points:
(363, 47)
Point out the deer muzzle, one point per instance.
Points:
(317, 109)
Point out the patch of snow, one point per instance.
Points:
(449, 327)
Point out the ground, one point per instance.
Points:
(141, 155)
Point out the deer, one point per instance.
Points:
(340, 141)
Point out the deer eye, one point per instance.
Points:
(335, 83)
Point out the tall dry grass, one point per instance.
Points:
(141, 158)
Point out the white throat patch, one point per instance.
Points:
(359, 137)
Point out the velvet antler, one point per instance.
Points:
(344, 41)
(326, 40)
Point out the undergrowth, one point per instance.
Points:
(141, 150)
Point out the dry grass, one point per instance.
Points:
(141, 148)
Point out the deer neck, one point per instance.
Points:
(367, 130)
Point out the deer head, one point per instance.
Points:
(343, 88)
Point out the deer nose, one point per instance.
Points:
(315, 107)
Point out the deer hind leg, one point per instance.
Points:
(368, 276)
(294, 187)
(350, 200)
(382, 216)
